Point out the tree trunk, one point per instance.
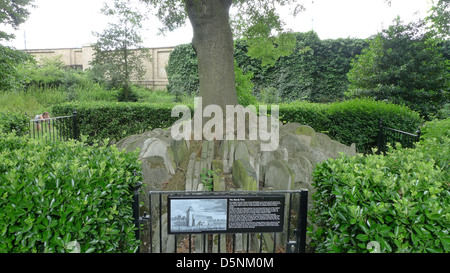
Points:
(213, 43)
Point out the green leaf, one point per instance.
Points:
(362, 237)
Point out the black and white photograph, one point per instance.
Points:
(198, 215)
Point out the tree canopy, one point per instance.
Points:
(13, 13)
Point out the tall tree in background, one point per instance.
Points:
(257, 20)
(403, 65)
(439, 16)
(13, 13)
(118, 53)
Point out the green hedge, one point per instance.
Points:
(399, 201)
(10, 121)
(354, 121)
(117, 120)
(349, 122)
(316, 70)
(64, 192)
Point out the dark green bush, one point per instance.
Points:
(349, 122)
(10, 121)
(316, 70)
(57, 193)
(117, 120)
(399, 201)
(354, 121)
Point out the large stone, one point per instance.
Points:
(244, 176)
(279, 175)
(157, 147)
(180, 150)
(154, 172)
(293, 144)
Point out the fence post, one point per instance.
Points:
(136, 214)
(418, 133)
(303, 218)
(380, 137)
(75, 127)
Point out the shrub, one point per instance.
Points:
(399, 201)
(63, 192)
(354, 121)
(10, 122)
(117, 120)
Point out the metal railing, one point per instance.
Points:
(154, 231)
(390, 135)
(55, 128)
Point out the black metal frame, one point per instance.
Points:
(296, 205)
(57, 128)
(391, 135)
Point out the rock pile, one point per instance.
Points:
(236, 165)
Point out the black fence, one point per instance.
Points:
(55, 128)
(390, 135)
(268, 222)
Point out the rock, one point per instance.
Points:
(154, 172)
(157, 147)
(278, 176)
(241, 151)
(293, 144)
(180, 150)
(244, 176)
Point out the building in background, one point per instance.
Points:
(80, 58)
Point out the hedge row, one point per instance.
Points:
(116, 120)
(349, 122)
(316, 70)
(55, 195)
(10, 121)
(395, 203)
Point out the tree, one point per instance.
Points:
(13, 13)
(118, 56)
(402, 65)
(213, 38)
(439, 16)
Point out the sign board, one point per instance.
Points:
(225, 214)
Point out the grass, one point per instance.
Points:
(36, 100)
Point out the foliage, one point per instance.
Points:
(315, 71)
(403, 65)
(354, 121)
(62, 192)
(10, 77)
(439, 16)
(258, 21)
(399, 201)
(116, 56)
(244, 87)
(13, 13)
(182, 71)
(348, 122)
(53, 73)
(9, 122)
(117, 120)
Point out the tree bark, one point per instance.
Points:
(213, 43)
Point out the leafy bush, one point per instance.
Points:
(10, 60)
(354, 121)
(404, 64)
(64, 192)
(18, 123)
(117, 120)
(349, 122)
(399, 201)
(316, 70)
